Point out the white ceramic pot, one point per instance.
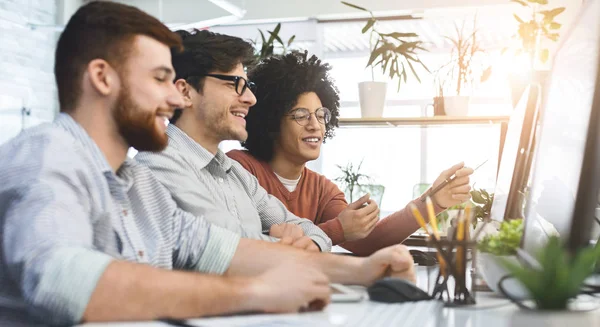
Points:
(456, 105)
(490, 268)
(372, 98)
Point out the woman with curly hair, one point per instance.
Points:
(297, 109)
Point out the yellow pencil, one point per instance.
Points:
(436, 235)
(432, 218)
(468, 221)
(417, 214)
(460, 236)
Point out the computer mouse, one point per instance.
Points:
(423, 258)
(395, 290)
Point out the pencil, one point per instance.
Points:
(468, 221)
(417, 214)
(436, 235)
(432, 218)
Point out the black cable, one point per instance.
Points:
(521, 305)
(512, 299)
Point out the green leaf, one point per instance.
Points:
(520, 2)
(276, 37)
(397, 35)
(551, 14)
(555, 26)
(291, 40)
(477, 197)
(486, 74)
(544, 54)
(413, 71)
(262, 36)
(453, 41)
(379, 51)
(518, 19)
(355, 6)
(277, 28)
(368, 25)
(506, 241)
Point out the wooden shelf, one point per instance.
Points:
(408, 121)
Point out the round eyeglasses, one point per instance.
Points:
(241, 84)
(302, 115)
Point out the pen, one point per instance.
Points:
(446, 181)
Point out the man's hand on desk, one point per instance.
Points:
(286, 230)
(393, 261)
(304, 243)
(305, 288)
(359, 218)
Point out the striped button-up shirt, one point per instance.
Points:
(65, 215)
(221, 189)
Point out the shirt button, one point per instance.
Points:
(141, 253)
(124, 212)
(220, 179)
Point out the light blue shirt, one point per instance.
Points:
(221, 190)
(64, 216)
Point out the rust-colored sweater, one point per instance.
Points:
(320, 200)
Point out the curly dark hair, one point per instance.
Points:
(206, 52)
(281, 79)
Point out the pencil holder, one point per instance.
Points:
(452, 279)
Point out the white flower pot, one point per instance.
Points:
(372, 98)
(490, 268)
(456, 105)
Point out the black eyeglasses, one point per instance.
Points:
(302, 115)
(241, 84)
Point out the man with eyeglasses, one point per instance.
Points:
(297, 109)
(210, 75)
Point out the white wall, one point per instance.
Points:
(26, 64)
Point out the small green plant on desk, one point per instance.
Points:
(560, 275)
(494, 250)
(506, 241)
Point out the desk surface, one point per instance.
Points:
(490, 311)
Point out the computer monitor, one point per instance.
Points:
(516, 154)
(565, 177)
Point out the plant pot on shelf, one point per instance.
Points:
(457, 105)
(372, 98)
(491, 270)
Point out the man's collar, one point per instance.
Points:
(183, 143)
(67, 122)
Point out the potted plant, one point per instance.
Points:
(395, 53)
(356, 184)
(481, 204)
(537, 28)
(495, 250)
(459, 76)
(558, 276)
(268, 46)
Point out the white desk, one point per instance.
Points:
(490, 311)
